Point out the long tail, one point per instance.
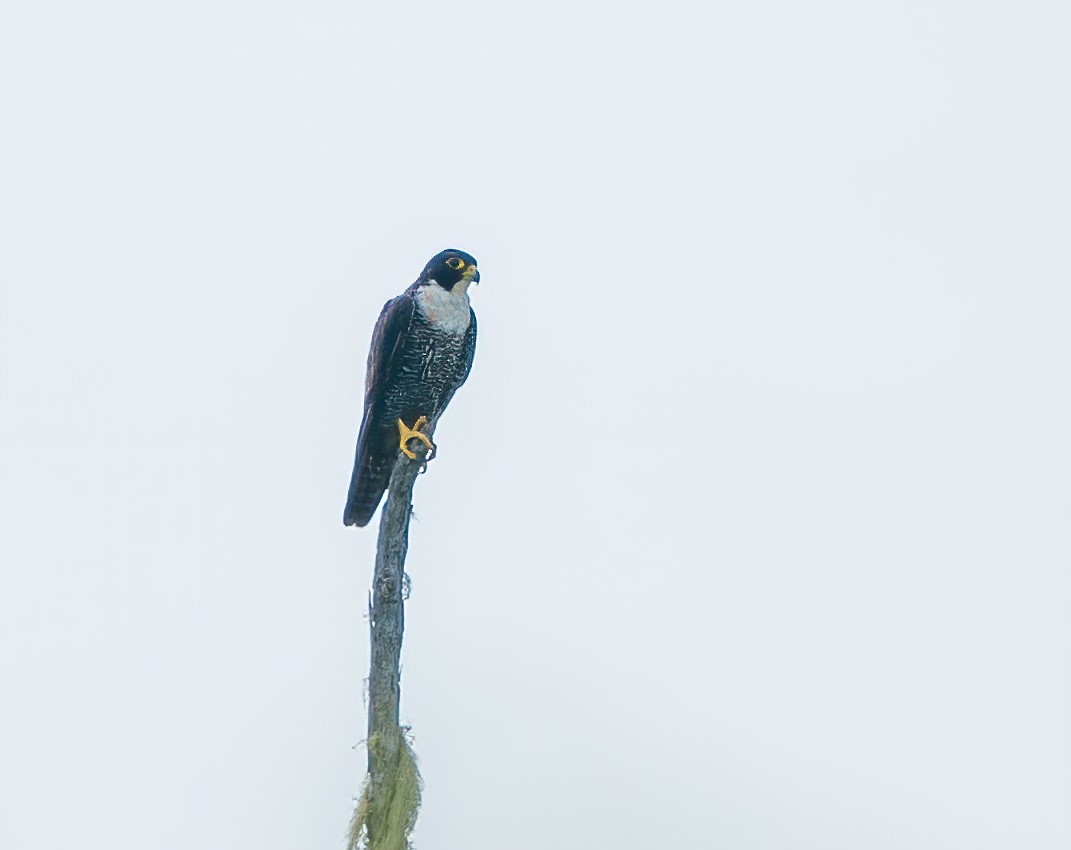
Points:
(371, 474)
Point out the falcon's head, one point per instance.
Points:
(450, 267)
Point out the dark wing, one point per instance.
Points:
(374, 459)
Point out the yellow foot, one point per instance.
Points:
(405, 434)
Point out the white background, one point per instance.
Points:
(752, 527)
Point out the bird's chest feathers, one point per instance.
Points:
(447, 312)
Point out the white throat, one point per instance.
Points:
(446, 311)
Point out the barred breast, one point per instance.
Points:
(433, 363)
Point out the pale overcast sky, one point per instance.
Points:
(752, 527)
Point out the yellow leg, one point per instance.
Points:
(405, 434)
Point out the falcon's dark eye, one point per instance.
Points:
(454, 263)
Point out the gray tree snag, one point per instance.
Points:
(390, 798)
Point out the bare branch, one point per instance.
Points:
(390, 800)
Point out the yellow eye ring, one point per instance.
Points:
(454, 263)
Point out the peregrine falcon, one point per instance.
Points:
(422, 349)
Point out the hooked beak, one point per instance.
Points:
(471, 273)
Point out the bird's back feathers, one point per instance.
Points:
(374, 459)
